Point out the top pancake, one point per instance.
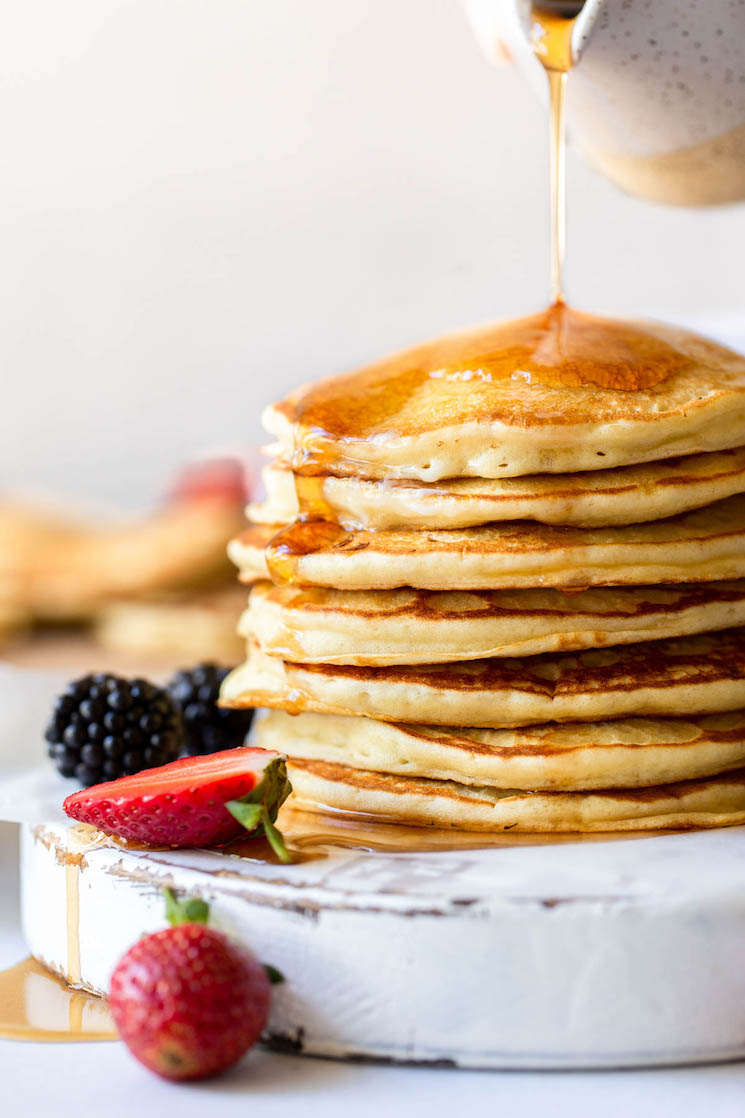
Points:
(556, 392)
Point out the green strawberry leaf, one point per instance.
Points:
(248, 815)
(189, 911)
(276, 841)
(258, 810)
(275, 976)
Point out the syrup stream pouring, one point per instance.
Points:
(552, 26)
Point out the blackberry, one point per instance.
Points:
(208, 726)
(104, 727)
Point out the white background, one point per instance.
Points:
(204, 202)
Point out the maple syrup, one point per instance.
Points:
(314, 528)
(553, 24)
(36, 1005)
(311, 834)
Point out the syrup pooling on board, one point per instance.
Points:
(312, 835)
(36, 1005)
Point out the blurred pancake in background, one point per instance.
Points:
(149, 583)
(182, 628)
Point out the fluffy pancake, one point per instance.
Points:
(421, 627)
(699, 546)
(556, 392)
(697, 675)
(573, 756)
(717, 801)
(627, 495)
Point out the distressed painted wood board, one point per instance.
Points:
(573, 954)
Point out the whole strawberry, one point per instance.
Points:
(187, 1001)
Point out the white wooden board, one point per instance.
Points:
(589, 954)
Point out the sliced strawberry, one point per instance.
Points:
(196, 801)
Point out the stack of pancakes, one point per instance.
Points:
(498, 582)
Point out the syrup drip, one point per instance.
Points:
(553, 23)
(314, 528)
(37, 1005)
(72, 888)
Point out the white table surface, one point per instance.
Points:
(35, 1078)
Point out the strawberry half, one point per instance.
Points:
(195, 801)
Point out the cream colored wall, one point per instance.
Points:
(203, 202)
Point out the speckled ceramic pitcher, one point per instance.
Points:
(656, 100)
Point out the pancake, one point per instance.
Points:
(421, 627)
(557, 392)
(574, 756)
(184, 628)
(13, 619)
(697, 675)
(63, 568)
(699, 546)
(717, 801)
(627, 495)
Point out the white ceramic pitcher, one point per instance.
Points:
(656, 100)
